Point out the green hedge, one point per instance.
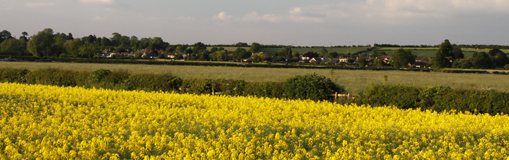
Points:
(313, 86)
(437, 98)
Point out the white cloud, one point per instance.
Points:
(222, 16)
(300, 15)
(97, 1)
(38, 5)
(254, 17)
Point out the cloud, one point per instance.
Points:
(6, 8)
(222, 16)
(300, 15)
(254, 17)
(97, 1)
(432, 8)
(98, 18)
(39, 5)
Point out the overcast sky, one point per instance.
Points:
(286, 22)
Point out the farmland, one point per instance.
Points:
(303, 50)
(354, 81)
(52, 122)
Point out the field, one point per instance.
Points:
(428, 52)
(303, 50)
(354, 81)
(52, 122)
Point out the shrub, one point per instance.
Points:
(264, 89)
(13, 75)
(403, 97)
(229, 87)
(197, 86)
(98, 75)
(153, 82)
(51, 76)
(310, 86)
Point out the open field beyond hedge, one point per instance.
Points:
(354, 81)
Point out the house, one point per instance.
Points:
(386, 58)
(420, 64)
(171, 55)
(150, 55)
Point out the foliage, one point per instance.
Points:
(310, 86)
(13, 75)
(401, 58)
(444, 55)
(437, 98)
(41, 43)
(10, 46)
(403, 97)
(50, 122)
(153, 82)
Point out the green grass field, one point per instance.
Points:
(302, 50)
(354, 81)
(425, 52)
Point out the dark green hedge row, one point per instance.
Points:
(437, 98)
(312, 86)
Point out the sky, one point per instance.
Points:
(281, 22)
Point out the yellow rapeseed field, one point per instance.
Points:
(48, 122)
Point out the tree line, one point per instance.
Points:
(46, 44)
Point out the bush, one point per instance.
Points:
(403, 97)
(153, 82)
(310, 86)
(13, 75)
(197, 86)
(264, 89)
(229, 87)
(51, 76)
(98, 75)
(506, 67)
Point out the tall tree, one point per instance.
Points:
(444, 55)
(4, 35)
(72, 47)
(401, 57)
(255, 47)
(40, 44)
(199, 47)
(10, 46)
(482, 60)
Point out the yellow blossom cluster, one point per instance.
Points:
(48, 122)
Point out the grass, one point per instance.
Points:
(354, 81)
(302, 50)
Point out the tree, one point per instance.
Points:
(199, 47)
(88, 50)
(239, 54)
(72, 47)
(324, 52)
(161, 56)
(401, 57)
(138, 54)
(482, 60)
(10, 46)
(213, 49)
(4, 35)
(444, 55)
(458, 54)
(241, 44)
(500, 59)
(255, 47)
(41, 43)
